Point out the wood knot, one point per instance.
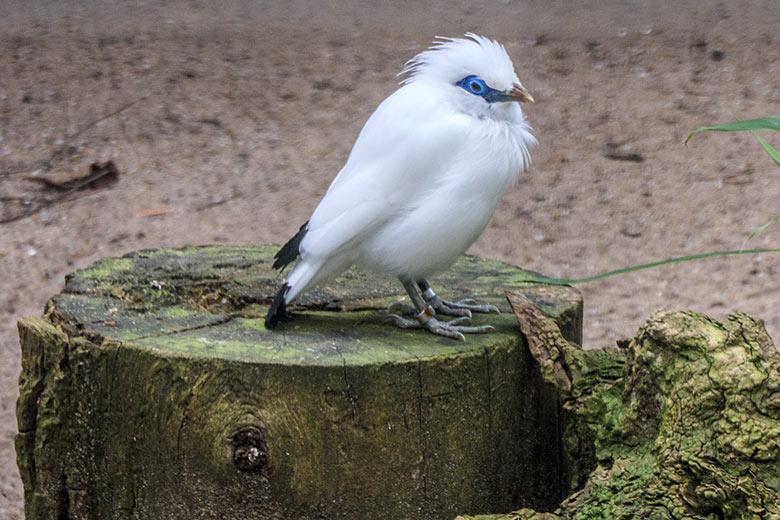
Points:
(249, 450)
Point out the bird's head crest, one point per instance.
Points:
(452, 59)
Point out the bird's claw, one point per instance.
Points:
(460, 307)
(463, 307)
(451, 329)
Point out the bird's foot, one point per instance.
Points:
(460, 307)
(425, 319)
(402, 308)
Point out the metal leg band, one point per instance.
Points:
(425, 315)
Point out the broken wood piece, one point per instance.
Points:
(99, 176)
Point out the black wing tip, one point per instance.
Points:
(290, 251)
(278, 308)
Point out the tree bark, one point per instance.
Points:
(151, 389)
(682, 422)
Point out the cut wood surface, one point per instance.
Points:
(151, 389)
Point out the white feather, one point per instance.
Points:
(425, 174)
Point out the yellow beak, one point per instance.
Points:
(519, 93)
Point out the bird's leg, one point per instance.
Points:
(461, 307)
(426, 319)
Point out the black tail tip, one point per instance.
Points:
(278, 308)
(290, 251)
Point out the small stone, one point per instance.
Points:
(717, 55)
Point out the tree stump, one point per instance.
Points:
(151, 389)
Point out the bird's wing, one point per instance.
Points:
(403, 137)
(398, 156)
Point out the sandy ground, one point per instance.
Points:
(228, 123)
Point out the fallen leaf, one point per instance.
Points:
(154, 212)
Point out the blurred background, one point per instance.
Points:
(227, 121)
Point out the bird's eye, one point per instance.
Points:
(475, 85)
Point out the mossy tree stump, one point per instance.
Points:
(151, 389)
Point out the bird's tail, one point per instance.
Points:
(278, 307)
(287, 254)
(306, 273)
(300, 278)
(291, 250)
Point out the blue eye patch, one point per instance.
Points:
(477, 86)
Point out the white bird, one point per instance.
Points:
(422, 181)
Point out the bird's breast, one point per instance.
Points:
(447, 215)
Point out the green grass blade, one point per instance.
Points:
(762, 228)
(762, 123)
(771, 151)
(776, 158)
(573, 281)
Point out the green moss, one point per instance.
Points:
(105, 267)
(689, 430)
(357, 338)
